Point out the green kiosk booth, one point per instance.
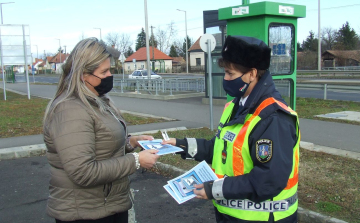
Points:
(272, 22)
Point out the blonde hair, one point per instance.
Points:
(85, 58)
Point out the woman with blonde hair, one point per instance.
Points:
(88, 144)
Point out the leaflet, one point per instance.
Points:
(156, 144)
(181, 188)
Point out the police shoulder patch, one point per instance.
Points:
(264, 150)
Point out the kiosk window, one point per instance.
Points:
(282, 44)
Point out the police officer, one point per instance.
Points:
(255, 152)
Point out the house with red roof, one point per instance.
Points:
(159, 61)
(58, 60)
(196, 55)
(36, 64)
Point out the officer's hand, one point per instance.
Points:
(171, 141)
(199, 191)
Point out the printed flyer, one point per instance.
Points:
(181, 188)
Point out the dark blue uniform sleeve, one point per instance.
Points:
(205, 149)
(266, 179)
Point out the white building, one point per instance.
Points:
(161, 62)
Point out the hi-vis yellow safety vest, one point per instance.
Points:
(239, 162)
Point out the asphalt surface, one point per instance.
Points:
(24, 191)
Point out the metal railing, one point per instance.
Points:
(331, 72)
(325, 87)
(342, 68)
(161, 86)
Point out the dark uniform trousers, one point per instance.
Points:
(223, 218)
(121, 217)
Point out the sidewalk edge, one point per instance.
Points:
(304, 215)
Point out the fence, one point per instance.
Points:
(325, 87)
(342, 68)
(306, 73)
(161, 86)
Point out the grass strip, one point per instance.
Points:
(309, 107)
(20, 116)
(328, 184)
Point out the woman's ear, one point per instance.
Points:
(253, 74)
(83, 77)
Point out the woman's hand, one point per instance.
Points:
(147, 158)
(134, 139)
(171, 141)
(199, 191)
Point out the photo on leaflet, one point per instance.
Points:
(190, 181)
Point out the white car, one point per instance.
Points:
(142, 74)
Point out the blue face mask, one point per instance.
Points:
(235, 88)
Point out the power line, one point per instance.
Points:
(335, 7)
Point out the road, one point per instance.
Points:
(24, 192)
(192, 113)
(345, 95)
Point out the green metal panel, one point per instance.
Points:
(262, 8)
(254, 20)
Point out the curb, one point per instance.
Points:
(40, 149)
(157, 97)
(333, 151)
(303, 214)
(22, 151)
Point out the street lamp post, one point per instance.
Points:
(100, 32)
(147, 42)
(319, 40)
(186, 44)
(37, 52)
(1, 9)
(59, 50)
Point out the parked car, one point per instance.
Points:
(142, 74)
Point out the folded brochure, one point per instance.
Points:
(156, 144)
(181, 188)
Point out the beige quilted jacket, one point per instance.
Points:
(88, 166)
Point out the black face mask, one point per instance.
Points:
(235, 88)
(105, 85)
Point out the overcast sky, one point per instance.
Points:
(69, 20)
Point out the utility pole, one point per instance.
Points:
(319, 40)
(59, 51)
(147, 41)
(100, 32)
(37, 52)
(153, 42)
(45, 58)
(186, 43)
(1, 9)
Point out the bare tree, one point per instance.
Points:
(124, 42)
(178, 44)
(121, 42)
(112, 39)
(165, 37)
(328, 36)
